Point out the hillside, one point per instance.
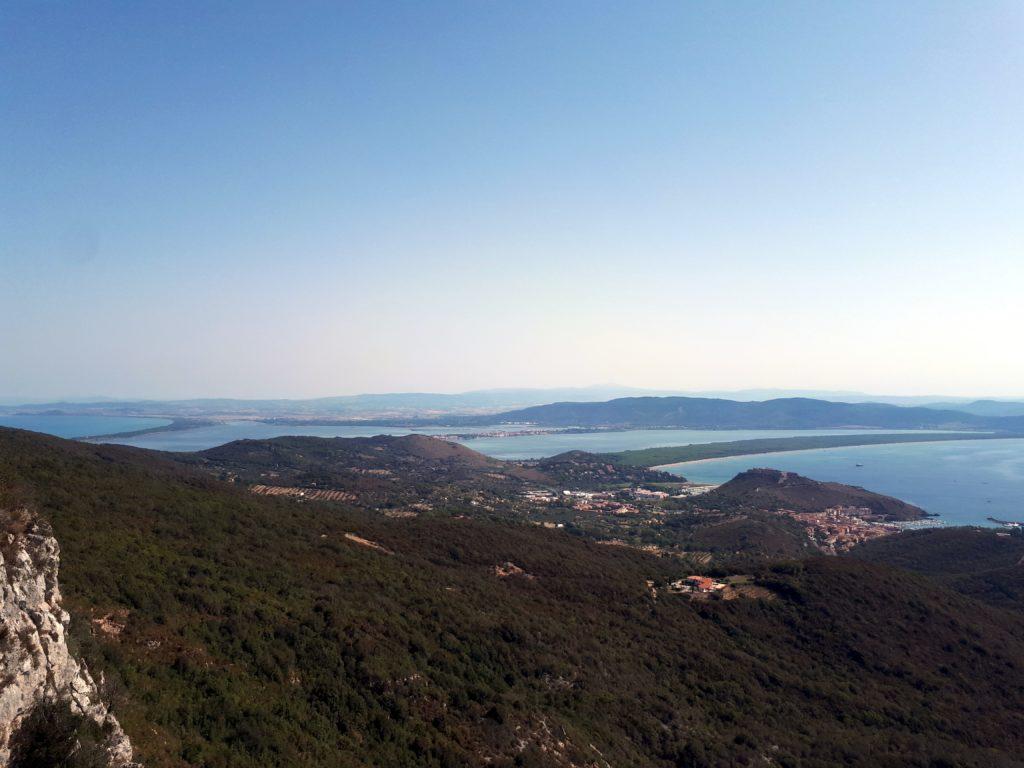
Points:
(765, 513)
(984, 563)
(583, 469)
(771, 489)
(241, 630)
(304, 459)
(786, 413)
(398, 471)
(986, 407)
(588, 494)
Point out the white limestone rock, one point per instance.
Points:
(35, 663)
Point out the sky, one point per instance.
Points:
(301, 199)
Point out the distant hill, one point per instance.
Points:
(753, 516)
(399, 470)
(789, 413)
(832, 395)
(582, 469)
(426, 405)
(384, 405)
(768, 489)
(989, 408)
(407, 453)
(242, 630)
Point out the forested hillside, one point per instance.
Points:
(784, 413)
(768, 489)
(984, 563)
(241, 630)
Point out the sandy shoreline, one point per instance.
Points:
(828, 448)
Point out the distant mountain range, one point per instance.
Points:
(431, 404)
(785, 413)
(985, 407)
(396, 404)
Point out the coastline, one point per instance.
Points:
(176, 425)
(868, 444)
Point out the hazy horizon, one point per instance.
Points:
(600, 393)
(280, 200)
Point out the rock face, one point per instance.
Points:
(35, 664)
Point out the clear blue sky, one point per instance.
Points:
(299, 199)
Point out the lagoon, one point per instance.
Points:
(212, 435)
(532, 446)
(63, 425)
(541, 445)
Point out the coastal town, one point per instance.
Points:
(831, 530)
(838, 529)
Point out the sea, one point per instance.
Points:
(963, 482)
(63, 425)
(530, 446)
(201, 438)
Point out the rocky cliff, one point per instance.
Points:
(37, 670)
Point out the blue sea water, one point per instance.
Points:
(79, 426)
(964, 482)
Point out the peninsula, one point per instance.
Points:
(681, 454)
